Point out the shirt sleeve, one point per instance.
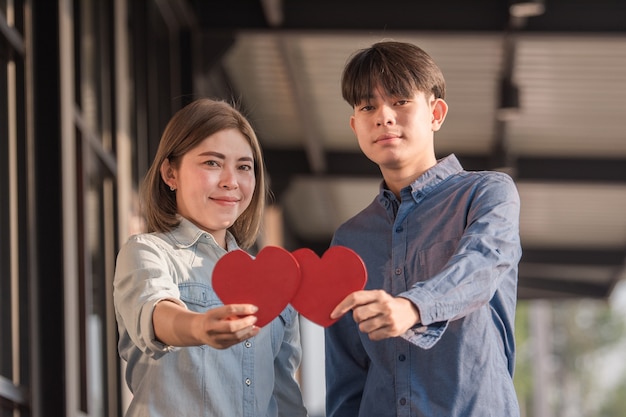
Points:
(142, 280)
(286, 388)
(486, 256)
(347, 365)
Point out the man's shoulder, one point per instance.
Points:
(487, 175)
(487, 179)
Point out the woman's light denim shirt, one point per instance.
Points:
(452, 247)
(254, 378)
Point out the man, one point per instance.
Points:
(432, 332)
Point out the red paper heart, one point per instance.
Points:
(326, 281)
(268, 281)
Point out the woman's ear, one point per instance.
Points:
(440, 110)
(168, 174)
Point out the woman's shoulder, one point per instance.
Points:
(147, 241)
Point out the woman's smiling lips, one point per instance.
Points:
(225, 200)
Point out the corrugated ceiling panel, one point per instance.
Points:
(573, 93)
(259, 65)
(257, 68)
(573, 215)
(471, 64)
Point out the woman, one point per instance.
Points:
(203, 196)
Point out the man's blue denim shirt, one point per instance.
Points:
(452, 247)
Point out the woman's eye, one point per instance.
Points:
(246, 167)
(402, 102)
(212, 163)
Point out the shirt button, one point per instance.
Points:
(402, 401)
(398, 271)
(402, 358)
(248, 381)
(399, 229)
(248, 344)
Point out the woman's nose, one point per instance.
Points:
(228, 180)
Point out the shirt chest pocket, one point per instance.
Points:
(198, 297)
(432, 260)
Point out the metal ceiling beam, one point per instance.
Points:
(273, 10)
(286, 163)
(608, 170)
(569, 256)
(533, 288)
(394, 15)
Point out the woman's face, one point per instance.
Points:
(214, 182)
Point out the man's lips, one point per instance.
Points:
(386, 136)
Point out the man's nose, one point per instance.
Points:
(386, 116)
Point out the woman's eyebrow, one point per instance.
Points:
(222, 156)
(212, 153)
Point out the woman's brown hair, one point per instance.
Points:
(186, 129)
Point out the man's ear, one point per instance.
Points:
(440, 110)
(168, 174)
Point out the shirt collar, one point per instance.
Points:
(443, 169)
(425, 183)
(187, 234)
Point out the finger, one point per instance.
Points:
(383, 332)
(343, 307)
(229, 319)
(226, 340)
(374, 327)
(248, 332)
(352, 301)
(366, 313)
(237, 310)
(233, 324)
(378, 334)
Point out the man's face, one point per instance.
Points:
(396, 132)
